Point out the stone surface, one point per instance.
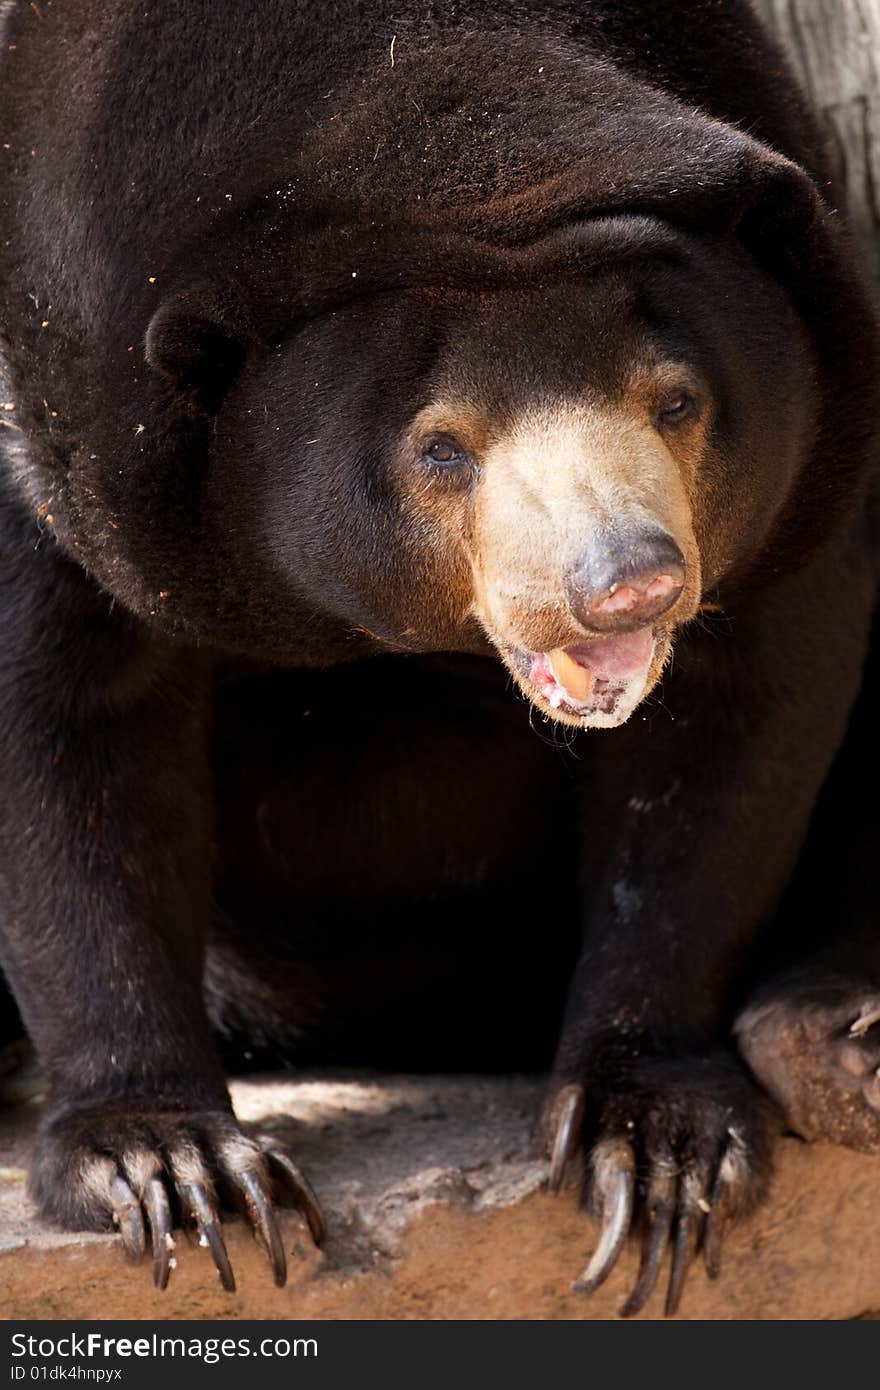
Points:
(436, 1210)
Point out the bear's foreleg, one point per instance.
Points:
(105, 834)
(690, 834)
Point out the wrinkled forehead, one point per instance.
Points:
(506, 351)
(500, 350)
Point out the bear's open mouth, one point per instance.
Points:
(596, 683)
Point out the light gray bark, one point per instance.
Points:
(834, 47)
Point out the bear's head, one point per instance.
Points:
(562, 466)
(557, 445)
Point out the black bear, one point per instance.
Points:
(378, 381)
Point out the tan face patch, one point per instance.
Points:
(564, 479)
(551, 484)
(562, 482)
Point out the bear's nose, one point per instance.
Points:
(626, 581)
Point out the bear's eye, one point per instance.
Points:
(444, 451)
(675, 407)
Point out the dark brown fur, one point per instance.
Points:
(252, 698)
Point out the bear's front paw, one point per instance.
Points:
(675, 1149)
(126, 1163)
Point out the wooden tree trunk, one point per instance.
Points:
(834, 46)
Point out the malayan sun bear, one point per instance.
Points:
(436, 573)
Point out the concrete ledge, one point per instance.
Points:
(436, 1210)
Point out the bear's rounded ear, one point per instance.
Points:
(777, 213)
(198, 345)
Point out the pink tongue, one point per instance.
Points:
(615, 658)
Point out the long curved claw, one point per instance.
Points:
(615, 1171)
(128, 1217)
(716, 1224)
(725, 1201)
(301, 1191)
(263, 1221)
(869, 1015)
(660, 1207)
(208, 1222)
(568, 1115)
(687, 1232)
(158, 1210)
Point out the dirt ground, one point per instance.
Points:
(436, 1210)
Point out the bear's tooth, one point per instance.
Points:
(575, 680)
